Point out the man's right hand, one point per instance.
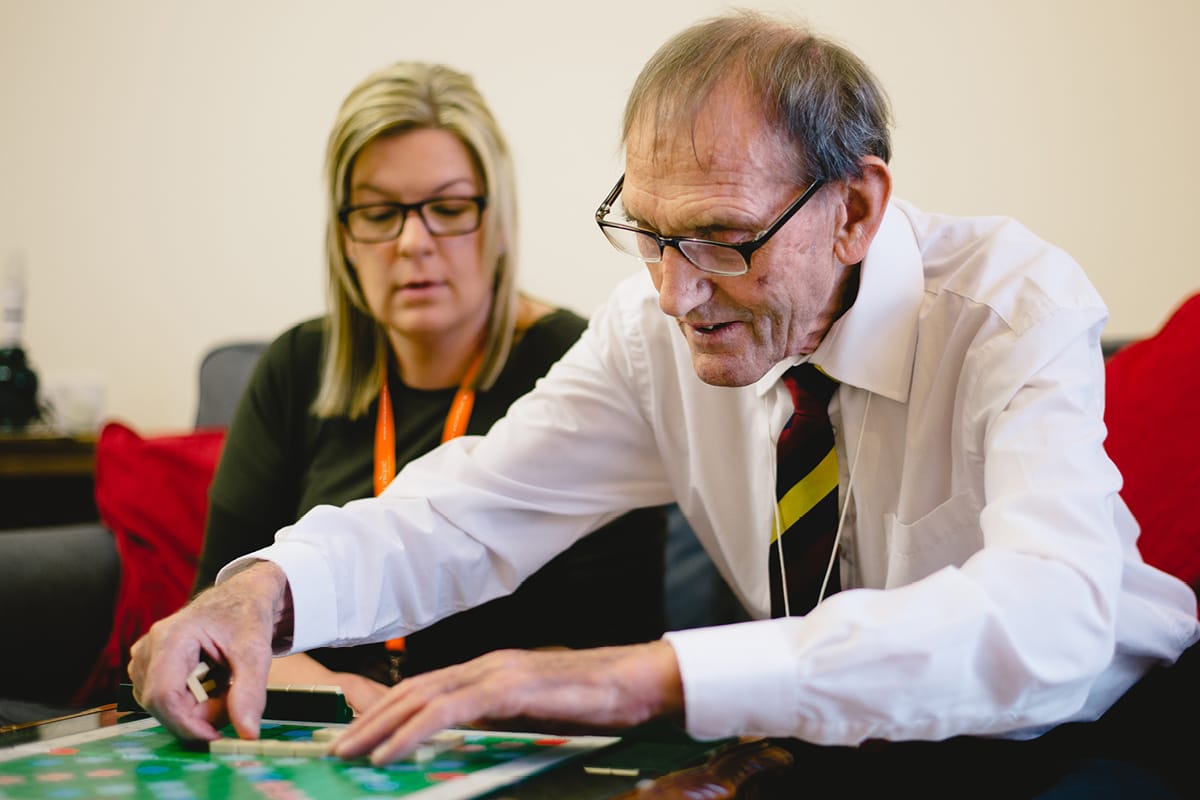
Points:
(231, 625)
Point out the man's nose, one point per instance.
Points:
(681, 285)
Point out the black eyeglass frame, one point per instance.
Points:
(744, 249)
(479, 201)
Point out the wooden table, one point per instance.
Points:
(46, 479)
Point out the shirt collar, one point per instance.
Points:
(873, 344)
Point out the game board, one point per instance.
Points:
(141, 759)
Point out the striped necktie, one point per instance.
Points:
(806, 485)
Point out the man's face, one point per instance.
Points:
(728, 182)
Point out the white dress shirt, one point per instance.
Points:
(993, 586)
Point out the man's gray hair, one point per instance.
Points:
(821, 97)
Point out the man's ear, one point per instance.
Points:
(864, 199)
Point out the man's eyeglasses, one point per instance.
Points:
(719, 258)
(383, 222)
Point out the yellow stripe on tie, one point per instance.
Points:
(808, 491)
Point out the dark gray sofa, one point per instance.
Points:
(58, 584)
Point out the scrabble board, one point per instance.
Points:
(141, 759)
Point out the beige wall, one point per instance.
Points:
(159, 160)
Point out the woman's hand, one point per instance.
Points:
(361, 692)
(302, 669)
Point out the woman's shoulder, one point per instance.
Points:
(543, 341)
(304, 342)
(558, 323)
(550, 334)
(291, 362)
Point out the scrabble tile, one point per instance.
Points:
(422, 755)
(432, 747)
(327, 734)
(195, 682)
(448, 739)
(273, 747)
(226, 746)
(309, 749)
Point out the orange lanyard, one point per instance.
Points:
(385, 435)
(385, 439)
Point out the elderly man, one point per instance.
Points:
(937, 385)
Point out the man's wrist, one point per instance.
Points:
(266, 580)
(285, 618)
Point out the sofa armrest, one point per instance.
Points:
(58, 585)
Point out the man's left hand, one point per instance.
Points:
(602, 688)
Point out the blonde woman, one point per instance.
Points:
(426, 338)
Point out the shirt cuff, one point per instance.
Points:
(737, 679)
(314, 599)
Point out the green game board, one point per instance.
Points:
(142, 760)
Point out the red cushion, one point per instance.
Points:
(152, 493)
(1153, 417)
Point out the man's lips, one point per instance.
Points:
(707, 327)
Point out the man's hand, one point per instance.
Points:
(231, 625)
(610, 687)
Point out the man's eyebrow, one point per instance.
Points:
(631, 219)
(715, 221)
(698, 232)
(707, 231)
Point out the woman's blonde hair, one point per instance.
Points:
(402, 97)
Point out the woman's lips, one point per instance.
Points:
(416, 289)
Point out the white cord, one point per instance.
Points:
(787, 606)
(837, 538)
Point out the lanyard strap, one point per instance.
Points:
(385, 433)
(385, 450)
(385, 440)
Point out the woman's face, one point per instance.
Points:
(422, 288)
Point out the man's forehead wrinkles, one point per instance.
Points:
(721, 173)
(705, 200)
